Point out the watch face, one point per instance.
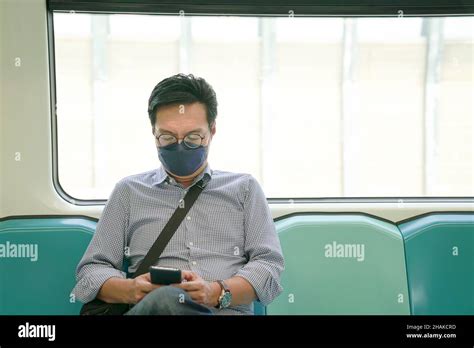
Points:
(226, 299)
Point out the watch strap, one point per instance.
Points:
(224, 289)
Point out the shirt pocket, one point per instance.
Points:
(220, 229)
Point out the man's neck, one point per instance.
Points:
(187, 181)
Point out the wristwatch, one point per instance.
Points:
(226, 297)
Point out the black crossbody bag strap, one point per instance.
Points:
(170, 228)
(99, 307)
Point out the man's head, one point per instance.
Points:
(182, 111)
(184, 90)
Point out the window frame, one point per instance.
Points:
(328, 8)
(270, 8)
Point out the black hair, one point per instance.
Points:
(183, 89)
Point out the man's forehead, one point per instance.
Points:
(181, 117)
(192, 108)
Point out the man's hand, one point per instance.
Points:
(141, 286)
(201, 291)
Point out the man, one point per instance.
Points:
(226, 247)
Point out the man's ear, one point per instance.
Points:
(213, 128)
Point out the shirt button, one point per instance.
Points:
(188, 217)
(191, 243)
(194, 263)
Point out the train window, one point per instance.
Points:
(310, 106)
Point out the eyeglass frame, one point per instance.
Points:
(182, 139)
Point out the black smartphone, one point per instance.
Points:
(165, 275)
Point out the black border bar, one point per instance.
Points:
(271, 8)
(222, 330)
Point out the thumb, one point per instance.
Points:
(147, 277)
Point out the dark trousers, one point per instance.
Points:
(168, 300)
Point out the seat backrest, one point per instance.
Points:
(341, 264)
(40, 282)
(440, 263)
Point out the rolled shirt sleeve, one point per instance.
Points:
(262, 246)
(103, 258)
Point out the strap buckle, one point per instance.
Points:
(201, 184)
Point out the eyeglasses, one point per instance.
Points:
(191, 140)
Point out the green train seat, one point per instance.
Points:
(440, 263)
(341, 264)
(39, 282)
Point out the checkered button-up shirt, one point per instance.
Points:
(228, 232)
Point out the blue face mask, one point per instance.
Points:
(181, 160)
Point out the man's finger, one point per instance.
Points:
(189, 286)
(189, 275)
(195, 295)
(147, 287)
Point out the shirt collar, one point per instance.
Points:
(161, 175)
